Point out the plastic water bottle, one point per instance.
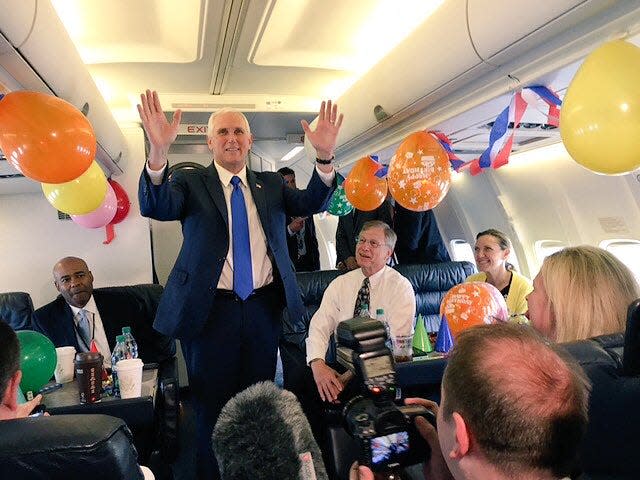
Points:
(381, 317)
(364, 311)
(130, 342)
(119, 353)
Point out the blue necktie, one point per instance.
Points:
(242, 272)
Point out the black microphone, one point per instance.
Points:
(262, 434)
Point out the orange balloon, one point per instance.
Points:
(420, 174)
(44, 137)
(364, 190)
(473, 303)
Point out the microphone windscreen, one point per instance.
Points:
(262, 434)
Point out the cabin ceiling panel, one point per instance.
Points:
(150, 31)
(494, 27)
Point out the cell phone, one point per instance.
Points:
(38, 411)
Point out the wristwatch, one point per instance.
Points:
(325, 162)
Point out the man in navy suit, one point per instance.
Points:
(419, 240)
(301, 234)
(104, 311)
(225, 293)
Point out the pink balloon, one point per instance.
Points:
(102, 215)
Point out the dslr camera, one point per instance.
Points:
(386, 433)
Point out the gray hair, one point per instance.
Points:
(222, 111)
(390, 236)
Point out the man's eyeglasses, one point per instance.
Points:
(372, 243)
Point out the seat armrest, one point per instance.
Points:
(168, 409)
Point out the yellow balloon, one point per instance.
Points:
(79, 196)
(600, 116)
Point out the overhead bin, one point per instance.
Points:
(466, 53)
(42, 48)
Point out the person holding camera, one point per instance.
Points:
(513, 407)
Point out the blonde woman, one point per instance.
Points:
(581, 292)
(491, 252)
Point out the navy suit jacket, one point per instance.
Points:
(117, 309)
(311, 260)
(419, 240)
(196, 198)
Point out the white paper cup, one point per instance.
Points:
(130, 377)
(64, 364)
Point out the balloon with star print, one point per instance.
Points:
(420, 173)
(338, 204)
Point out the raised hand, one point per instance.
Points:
(324, 137)
(160, 132)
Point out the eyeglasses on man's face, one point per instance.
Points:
(372, 243)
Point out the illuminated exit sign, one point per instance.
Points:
(193, 129)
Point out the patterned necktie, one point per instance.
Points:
(363, 297)
(302, 247)
(242, 271)
(84, 329)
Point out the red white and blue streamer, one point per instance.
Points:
(501, 137)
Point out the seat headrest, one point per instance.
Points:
(631, 359)
(16, 309)
(602, 350)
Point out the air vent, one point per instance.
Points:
(63, 216)
(527, 125)
(214, 106)
(529, 140)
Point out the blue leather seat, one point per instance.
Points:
(16, 309)
(67, 446)
(612, 363)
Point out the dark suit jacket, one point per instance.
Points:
(419, 240)
(195, 197)
(117, 308)
(311, 260)
(349, 227)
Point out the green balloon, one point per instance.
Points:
(339, 205)
(37, 360)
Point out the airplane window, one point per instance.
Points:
(461, 251)
(627, 251)
(544, 248)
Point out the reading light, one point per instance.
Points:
(292, 153)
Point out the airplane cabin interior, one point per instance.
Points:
(463, 68)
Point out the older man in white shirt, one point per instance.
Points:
(375, 285)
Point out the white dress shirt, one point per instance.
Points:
(388, 289)
(261, 266)
(95, 326)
